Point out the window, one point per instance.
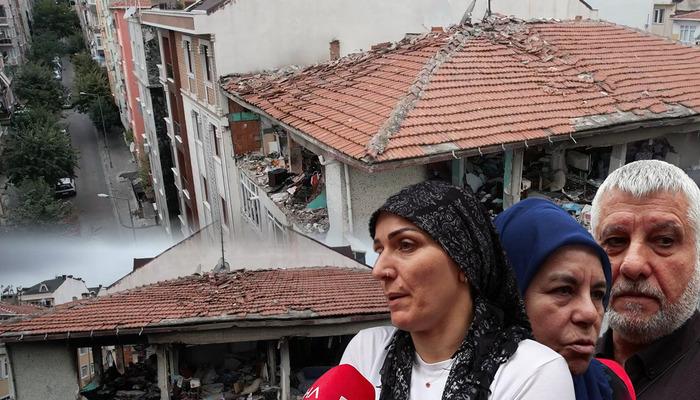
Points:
(206, 189)
(206, 63)
(83, 371)
(215, 140)
(43, 288)
(92, 369)
(224, 212)
(195, 124)
(188, 55)
(687, 34)
(4, 368)
(82, 351)
(659, 15)
(2, 12)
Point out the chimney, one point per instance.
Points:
(578, 18)
(437, 29)
(335, 49)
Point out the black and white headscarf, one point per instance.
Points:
(454, 218)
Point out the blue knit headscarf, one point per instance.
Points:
(533, 229)
(530, 232)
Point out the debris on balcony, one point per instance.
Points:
(300, 196)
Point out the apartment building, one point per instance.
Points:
(15, 30)
(89, 23)
(158, 149)
(113, 57)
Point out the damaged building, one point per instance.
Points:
(263, 334)
(511, 108)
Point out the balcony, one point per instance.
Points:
(5, 42)
(4, 21)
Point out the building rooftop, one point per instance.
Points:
(280, 294)
(15, 309)
(50, 284)
(691, 16)
(456, 93)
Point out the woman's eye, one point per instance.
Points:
(563, 290)
(406, 245)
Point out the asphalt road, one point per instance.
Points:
(95, 215)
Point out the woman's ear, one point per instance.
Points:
(462, 277)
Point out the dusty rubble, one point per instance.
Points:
(139, 382)
(296, 195)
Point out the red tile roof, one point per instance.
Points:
(694, 15)
(472, 88)
(300, 293)
(13, 309)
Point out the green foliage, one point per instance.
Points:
(83, 62)
(75, 43)
(93, 81)
(45, 47)
(37, 205)
(110, 112)
(37, 117)
(36, 87)
(57, 18)
(38, 152)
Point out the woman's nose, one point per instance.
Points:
(586, 312)
(382, 269)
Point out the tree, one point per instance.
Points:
(39, 153)
(75, 43)
(57, 18)
(93, 81)
(38, 117)
(45, 47)
(110, 112)
(37, 205)
(37, 88)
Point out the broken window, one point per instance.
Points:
(276, 228)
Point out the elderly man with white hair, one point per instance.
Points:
(646, 215)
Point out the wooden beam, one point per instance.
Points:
(232, 335)
(271, 363)
(617, 157)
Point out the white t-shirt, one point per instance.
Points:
(533, 372)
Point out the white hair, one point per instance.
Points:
(645, 177)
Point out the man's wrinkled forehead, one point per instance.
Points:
(619, 210)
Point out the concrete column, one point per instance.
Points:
(295, 158)
(336, 205)
(285, 369)
(617, 157)
(512, 176)
(162, 364)
(271, 363)
(458, 172)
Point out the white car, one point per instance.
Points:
(65, 187)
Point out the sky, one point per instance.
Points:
(25, 261)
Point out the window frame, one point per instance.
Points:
(87, 371)
(207, 62)
(215, 138)
(187, 48)
(659, 14)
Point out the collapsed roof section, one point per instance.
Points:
(314, 293)
(477, 88)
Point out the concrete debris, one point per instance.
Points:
(292, 193)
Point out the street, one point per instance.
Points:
(104, 245)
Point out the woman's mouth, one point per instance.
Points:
(586, 347)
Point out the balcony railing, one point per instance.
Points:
(5, 42)
(4, 21)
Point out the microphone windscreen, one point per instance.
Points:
(343, 382)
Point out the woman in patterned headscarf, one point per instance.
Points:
(459, 327)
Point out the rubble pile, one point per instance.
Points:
(238, 378)
(139, 382)
(300, 196)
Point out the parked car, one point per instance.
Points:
(65, 187)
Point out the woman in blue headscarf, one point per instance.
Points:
(564, 277)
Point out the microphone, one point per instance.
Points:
(343, 382)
